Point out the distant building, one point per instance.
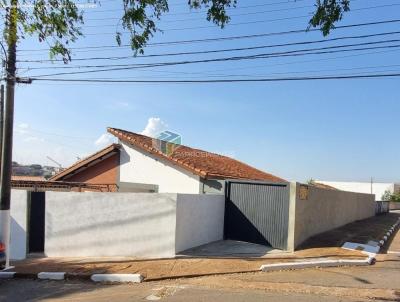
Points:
(33, 170)
(377, 188)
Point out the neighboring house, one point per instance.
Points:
(100, 168)
(322, 186)
(138, 164)
(27, 178)
(376, 188)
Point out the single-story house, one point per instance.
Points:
(243, 204)
(377, 188)
(138, 164)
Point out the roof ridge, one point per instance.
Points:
(224, 166)
(153, 138)
(158, 152)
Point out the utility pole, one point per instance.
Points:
(372, 185)
(6, 160)
(1, 120)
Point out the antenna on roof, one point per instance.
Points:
(54, 161)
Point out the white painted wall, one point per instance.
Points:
(139, 167)
(19, 224)
(110, 224)
(18, 234)
(362, 187)
(199, 220)
(145, 225)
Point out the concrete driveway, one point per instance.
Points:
(231, 249)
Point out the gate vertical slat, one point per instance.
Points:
(257, 212)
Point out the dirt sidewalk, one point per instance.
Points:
(180, 267)
(325, 246)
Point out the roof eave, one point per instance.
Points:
(100, 155)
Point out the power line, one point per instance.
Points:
(276, 64)
(303, 52)
(200, 11)
(213, 51)
(187, 75)
(248, 22)
(197, 19)
(231, 38)
(237, 15)
(335, 77)
(210, 26)
(297, 62)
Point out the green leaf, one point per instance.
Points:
(327, 13)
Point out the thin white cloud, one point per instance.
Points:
(122, 104)
(30, 147)
(22, 128)
(119, 105)
(24, 132)
(33, 139)
(154, 126)
(104, 140)
(23, 125)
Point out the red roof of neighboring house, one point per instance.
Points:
(323, 186)
(202, 163)
(27, 178)
(40, 186)
(86, 162)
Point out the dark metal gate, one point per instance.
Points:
(36, 222)
(257, 212)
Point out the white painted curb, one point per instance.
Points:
(121, 278)
(7, 275)
(51, 275)
(369, 249)
(311, 264)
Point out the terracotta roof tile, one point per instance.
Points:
(323, 186)
(205, 164)
(27, 178)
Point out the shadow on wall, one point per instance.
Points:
(18, 238)
(124, 157)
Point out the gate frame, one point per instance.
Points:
(291, 206)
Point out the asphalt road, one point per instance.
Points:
(379, 282)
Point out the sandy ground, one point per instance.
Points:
(326, 245)
(379, 282)
(154, 269)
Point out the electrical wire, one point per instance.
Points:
(200, 11)
(231, 38)
(215, 51)
(245, 23)
(334, 77)
(237, 58)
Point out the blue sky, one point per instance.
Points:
(333, 130)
